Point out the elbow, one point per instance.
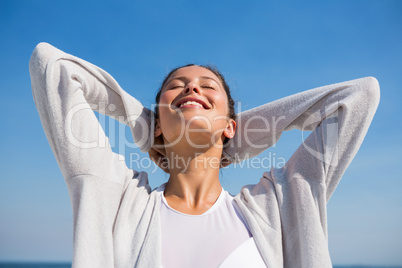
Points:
(369, 91)
(40, 57)
(372, 91)
(43, 55)
(37, 69)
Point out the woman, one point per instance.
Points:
(120, 222)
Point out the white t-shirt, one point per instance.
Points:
(217, 238)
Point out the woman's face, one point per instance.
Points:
(194, 106)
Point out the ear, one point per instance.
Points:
(230, 129)
(158, 130)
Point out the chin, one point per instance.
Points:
(198, 140)
(193, 139)
(197, 131)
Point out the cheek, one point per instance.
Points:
(165, 100)
(221, 102)
(167, 116)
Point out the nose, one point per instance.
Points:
(192, 87)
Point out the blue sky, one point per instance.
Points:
(266, 49)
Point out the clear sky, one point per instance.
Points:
(266, 49)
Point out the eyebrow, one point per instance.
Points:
(183, 78)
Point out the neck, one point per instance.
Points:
(193, 186)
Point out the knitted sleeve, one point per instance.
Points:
(339, 114)
(287, 210)
(66, 91)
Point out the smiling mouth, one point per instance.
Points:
(194, 103)
(191, 104)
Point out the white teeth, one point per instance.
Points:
(191, 103)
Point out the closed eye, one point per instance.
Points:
(207, 86)
(176, 86)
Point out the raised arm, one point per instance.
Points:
(343, 111)
(287, 208)
(66, 91)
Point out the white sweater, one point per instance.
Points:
(116, 214)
